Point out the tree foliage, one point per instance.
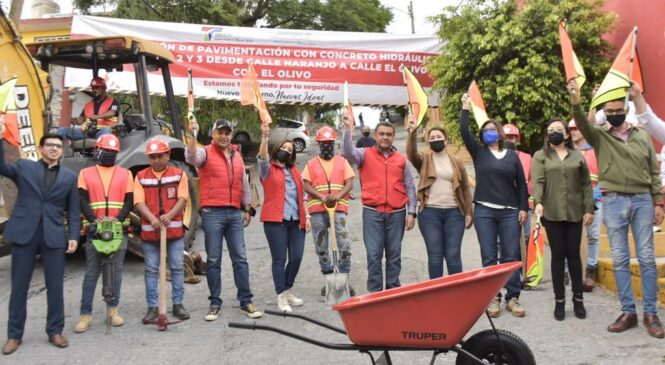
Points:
(337, 15)
(515, 57)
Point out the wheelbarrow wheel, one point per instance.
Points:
(484, 345)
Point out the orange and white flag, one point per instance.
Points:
(417, 96)
(571, 64)
(8, 112)
(251, 94)
(477, 104)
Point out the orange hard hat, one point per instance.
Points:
(97, 82)
(108, 142)
(511, 130)
(326, 134)
(155, 146)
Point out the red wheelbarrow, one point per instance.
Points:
(394, 320)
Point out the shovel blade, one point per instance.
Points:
(337, 288)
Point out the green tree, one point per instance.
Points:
(515, 57)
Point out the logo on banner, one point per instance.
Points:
(212, 33)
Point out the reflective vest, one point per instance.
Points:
(592, 164)
(106, 203)
(219, 185)
(526, 160)
(382, 180)
(327, 184)
(89, 111)
(275, 184)
(160, 197)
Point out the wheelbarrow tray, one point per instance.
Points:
(435, 313)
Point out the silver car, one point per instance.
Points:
(282, 129)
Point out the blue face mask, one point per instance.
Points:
(490, 136)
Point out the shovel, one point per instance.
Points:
(337, 283)
(162, 321)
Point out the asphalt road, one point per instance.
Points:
(195, 341)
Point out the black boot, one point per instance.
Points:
(180, 312)
(559, 309)
(578, 307)
(151, 316)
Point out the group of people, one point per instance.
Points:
(565, 185)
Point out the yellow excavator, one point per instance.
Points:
(29, 63)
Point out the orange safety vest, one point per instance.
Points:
(160, 197)
(221, 186)
(106, 203)
(327, 185)
(382, 180)
(89, 111)
(273, 206)
(592, 164)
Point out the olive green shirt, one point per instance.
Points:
(563, 187)
(624, 166)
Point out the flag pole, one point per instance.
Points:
(632, 63)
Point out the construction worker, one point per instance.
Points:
(106, 194)
(103, 110)
(389, 202)
(161, 192)
(328, 179)
(225, 209)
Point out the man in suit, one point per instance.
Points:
(46, 195)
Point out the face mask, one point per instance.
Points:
(283, 156)
(555, 138)
(616, 119)
(510, 145)
(327, 150)
(365, 134)
(437, 146)
(106, 158)
(490, 136)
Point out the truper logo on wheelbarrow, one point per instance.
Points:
(433, 336)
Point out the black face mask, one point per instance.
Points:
(555, 138)
(437, 146)
(616, 119)
(327, 151)
(510, 145)
(106, 158)
(365, 134)
(283, 156)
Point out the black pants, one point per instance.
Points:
(23, 264)
(564, 239)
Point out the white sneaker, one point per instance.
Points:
(292, 299)
(283, 303)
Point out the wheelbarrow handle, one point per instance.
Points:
(328, 345)
(308, 319)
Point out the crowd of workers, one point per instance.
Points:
(583, 172)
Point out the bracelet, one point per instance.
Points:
(264, 139)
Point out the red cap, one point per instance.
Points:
(108, 142)
(97, 82)
(155, 146)
(511, 130)
(326, 134)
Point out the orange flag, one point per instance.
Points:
(477, 104)
(251, 94)
(616, 83)
(416, 94)
(8, 112)
(571, 64)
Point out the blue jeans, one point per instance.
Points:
(175, 249)
(442, 230)
(287, 242)
(75, 134)
(93, 268)
(220, 223)
(383, 232)
(320, 227)
(493, 224)
(637, 212)
(593, 236)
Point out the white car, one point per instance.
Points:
(282, 129)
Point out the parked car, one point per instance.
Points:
(281, 129)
